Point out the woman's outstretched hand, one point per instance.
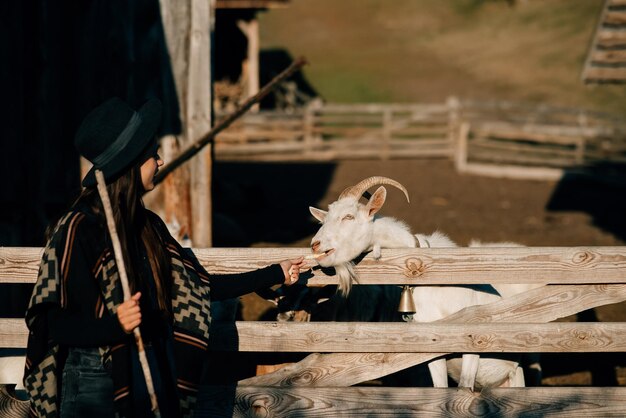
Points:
(291, 269)
(129, 314)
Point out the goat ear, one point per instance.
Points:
(318, 214)
(376, 201)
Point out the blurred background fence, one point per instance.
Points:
(493, 138)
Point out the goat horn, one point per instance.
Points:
(360, 188)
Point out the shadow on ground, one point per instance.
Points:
(599, 192)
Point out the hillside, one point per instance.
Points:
(424, 51)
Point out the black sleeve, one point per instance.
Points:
(226, 286)
(77, 330)
(76, 324)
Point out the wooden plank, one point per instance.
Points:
(517, 147)
(494, 265)
(255, 401)
(13, 333)
(198, 118)
(176, 22)
(481, 154)
(418, 131)
(266, 119)
(615, 18)
(611, 38)
(348, 132)
(10, 407)
(252, 136)
(543, 304)
(608, 74)
(608, 57)
(549, 131)
(296, 152)
(393, 154)
(252, 68)
(339, 369)
(415, 108)
(332, 155)
(513, 171)
(251, 4)
(259, 148)
(19, 264)
(416, 143)
(462, 265)
(363, 337)
(521, 135)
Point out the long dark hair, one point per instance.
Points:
(135, 228)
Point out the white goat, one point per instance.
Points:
(350, 228)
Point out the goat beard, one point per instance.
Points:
(345, 273)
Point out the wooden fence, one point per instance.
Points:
(333, 132)
(347, 354)
(493, 138)
(516, 140)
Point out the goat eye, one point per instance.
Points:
(348, 218)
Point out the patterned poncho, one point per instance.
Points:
(190, 309)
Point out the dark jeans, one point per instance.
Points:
(87, 389)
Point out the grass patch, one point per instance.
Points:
(406, 50)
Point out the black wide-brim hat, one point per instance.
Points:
(113, 137)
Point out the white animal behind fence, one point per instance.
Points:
(350, 228)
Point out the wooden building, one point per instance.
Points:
(236, 56)
(208, 42)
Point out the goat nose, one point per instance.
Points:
(315, 246)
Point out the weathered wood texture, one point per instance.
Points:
(251, 401)
(187, 26)
(463, 265)
(10, 407)
(355, 337)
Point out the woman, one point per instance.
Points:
(81, 356)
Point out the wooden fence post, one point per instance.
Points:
(460, 156)
(188, 26)
(581, 142)
(307, 125)
(386, 148)
(454, 106)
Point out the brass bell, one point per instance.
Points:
(407, 305)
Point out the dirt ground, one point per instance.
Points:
(267, 205)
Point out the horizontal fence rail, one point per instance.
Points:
(461, 265)
(421, 338)
(251, 401)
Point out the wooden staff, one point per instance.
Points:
(117, 251)
(194, 148)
